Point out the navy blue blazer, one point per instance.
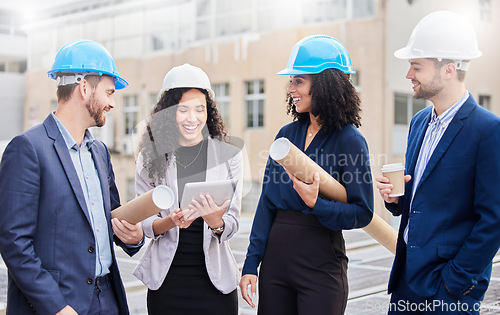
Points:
(455, 215)
(344, 155)
(46, 238)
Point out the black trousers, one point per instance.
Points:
(304, 270)
(187, 290)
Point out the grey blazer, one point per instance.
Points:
(221, 265)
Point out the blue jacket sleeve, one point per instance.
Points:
(264, 217)
(355, 175)
(19, 198)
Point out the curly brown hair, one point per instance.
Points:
(161, 135)
(334, 101)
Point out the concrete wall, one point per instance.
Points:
(11, 104)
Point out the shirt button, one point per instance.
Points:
(90, 280)
(91, 249)
(93, 202)
(98, 229)
(86, 177)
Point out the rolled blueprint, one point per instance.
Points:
(148, 204)
(303, 167)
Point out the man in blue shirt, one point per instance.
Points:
(451, 207)
(57, 190)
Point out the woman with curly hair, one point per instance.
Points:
(296, 234)
(188, 266)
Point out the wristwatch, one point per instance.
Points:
(219, 230)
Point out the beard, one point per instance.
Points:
(96, 112)
(431, 89)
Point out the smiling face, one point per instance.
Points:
(299, 88)
(425, 77)
(191, 117)
(101, 101)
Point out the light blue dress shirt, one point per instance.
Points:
(436, 129)
(91, 187)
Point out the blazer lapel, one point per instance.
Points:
(414, 147)
(103, 178)
(448, 137)
(66, 162)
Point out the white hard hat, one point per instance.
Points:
(186, 76)
(442, 35)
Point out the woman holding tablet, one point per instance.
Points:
(296, 234)
(188, 265)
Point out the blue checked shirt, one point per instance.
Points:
(436, 129)
(91, 187)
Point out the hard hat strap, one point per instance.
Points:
(461, 64)
(72, 77)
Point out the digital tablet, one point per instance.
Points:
(220, 190)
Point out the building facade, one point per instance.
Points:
(241, 45)
(13, 56)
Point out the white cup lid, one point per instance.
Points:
(393, 167)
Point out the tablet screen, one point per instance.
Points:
(220, 190)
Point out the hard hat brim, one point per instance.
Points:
(408, 53)
(405, 53)
(120, 83)
(295, 72)
(299, 72)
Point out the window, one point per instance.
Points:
(484, 10)
(485, 101)
(355, 78)
(131, 112)
(405, 107)
(317, 11)
(223, 100)
(233, 17)
(153, 99)
(219, 18)
(323, 10)
(363, 8)
(254, 98)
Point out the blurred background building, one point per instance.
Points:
(241, 45)
(13, 56)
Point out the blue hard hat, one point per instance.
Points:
(313, 54)
(88, 57)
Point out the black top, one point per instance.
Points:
(191, 167)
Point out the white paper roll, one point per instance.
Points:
(146, 205)
(303, 167)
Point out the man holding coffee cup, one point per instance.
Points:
(450, 209)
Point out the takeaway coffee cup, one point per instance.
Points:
(396, 174)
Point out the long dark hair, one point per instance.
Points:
(334, 102)
(161, 136)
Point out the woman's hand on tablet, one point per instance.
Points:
(209, 211)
